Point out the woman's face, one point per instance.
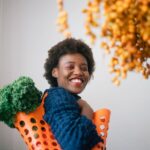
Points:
(72, 72)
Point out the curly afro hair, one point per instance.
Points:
(67, 46)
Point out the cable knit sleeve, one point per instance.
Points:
(72, 130)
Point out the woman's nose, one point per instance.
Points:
(78, 71)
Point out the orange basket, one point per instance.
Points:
(37, 133)
(101, 120)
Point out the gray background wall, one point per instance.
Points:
(28, 30)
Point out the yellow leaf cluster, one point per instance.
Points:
(126, 26)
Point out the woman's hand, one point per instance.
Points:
(86, 109)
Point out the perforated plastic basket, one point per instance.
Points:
(37, 133)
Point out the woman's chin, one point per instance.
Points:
(76, 90)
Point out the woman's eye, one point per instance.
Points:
(84, 68)
(69, 67)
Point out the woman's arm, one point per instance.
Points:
(72, 130)
(86, 109)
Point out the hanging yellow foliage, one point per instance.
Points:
(126, 30)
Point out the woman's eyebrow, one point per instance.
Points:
(69, 62)
(72, 62)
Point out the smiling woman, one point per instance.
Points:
(68, 69)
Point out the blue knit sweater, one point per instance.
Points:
(72, 130)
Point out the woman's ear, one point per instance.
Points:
(55, 72)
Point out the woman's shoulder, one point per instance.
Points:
(61, 92)
(55, 89)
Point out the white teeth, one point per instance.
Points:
(76, 81)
